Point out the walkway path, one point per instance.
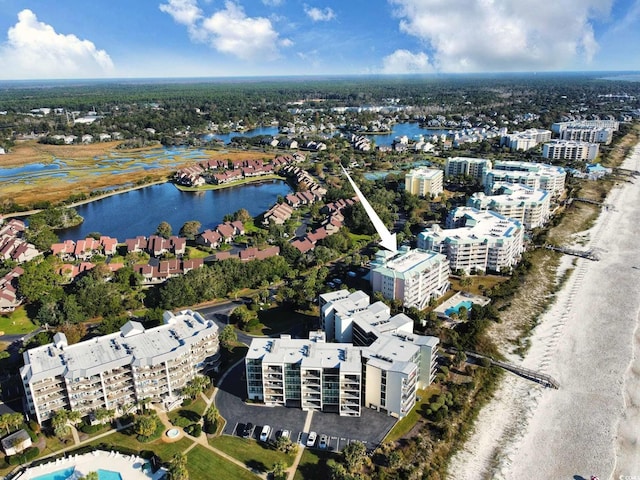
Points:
(307, 426)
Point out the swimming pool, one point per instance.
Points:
(108, 475)
(59, 475)
(466, 304)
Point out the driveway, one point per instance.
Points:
(370, 428)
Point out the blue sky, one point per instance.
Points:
(193, 38)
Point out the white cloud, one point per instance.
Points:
(404, 61)
(318, 15)
(503, 35)
(35, 50)
(273, 3)
(229, 30)
(232, 32)
(185, 12)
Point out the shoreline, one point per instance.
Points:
(150, 184)
(589, 340)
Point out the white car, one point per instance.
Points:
(311, 439)
(285, 434)
(264, 434)
(324, 441)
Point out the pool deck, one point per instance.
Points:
(128, 466)
(461, 297)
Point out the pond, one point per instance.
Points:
(410, 129)
(139, 212)
(226, 137)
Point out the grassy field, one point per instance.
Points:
(479, 283)
(278, 319)
(203, 464)
(164, 450)
(254, 455)
(17, 323)
(313, 465)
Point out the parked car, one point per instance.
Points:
(248, 430)
(311, 439)
(324, 440)
(285, 434)
(264, 434)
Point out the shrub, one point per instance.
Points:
(24, 457)
(194, 430)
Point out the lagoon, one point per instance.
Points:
(410, 129)
(226, 137)
(139, 212)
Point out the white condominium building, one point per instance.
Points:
(424, 181)
(593, 131)
(518, 202)
(535, 175)
(380, 367)
(570, 150)
(466, 166)
(558, 127)
(395, 367)
(413, 276)
(525, 140)
(311, 374)
(114, 371)
(484, 241)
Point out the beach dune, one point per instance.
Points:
(589, 341)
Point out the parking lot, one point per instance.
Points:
(370, 428)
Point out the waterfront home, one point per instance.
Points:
(278, 214)
(12, 245)
(9, 300)
(209, 238)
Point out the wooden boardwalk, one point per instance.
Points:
(541, 378)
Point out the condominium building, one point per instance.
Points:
(466, 166)
(593, 131)
(413, 276)
(529, 206)
(381, 366)
(310, 374)
(476, 240)
(534, 175)
(570, 150)
(115, 371)
(525, 140)
(424, 182)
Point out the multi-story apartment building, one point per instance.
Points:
(534, 175)
(413, 276)
(466, 166)
(592, 131)
(381, 366)
(484, 241)
(424, 182)
(310, 374)
(525, 140)
(570, 150)
(529, 206)
(115, 371)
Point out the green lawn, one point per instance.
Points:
(193, 253)
(255, 455)
(164, 450)
(405, 425)
(313, 465)
(204, 465)
(16, 323)
(278, 319)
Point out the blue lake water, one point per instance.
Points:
(226, 138)
(139, 212)
(410, 129)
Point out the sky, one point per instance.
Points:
(42, 39)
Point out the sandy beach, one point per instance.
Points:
(589, 341)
